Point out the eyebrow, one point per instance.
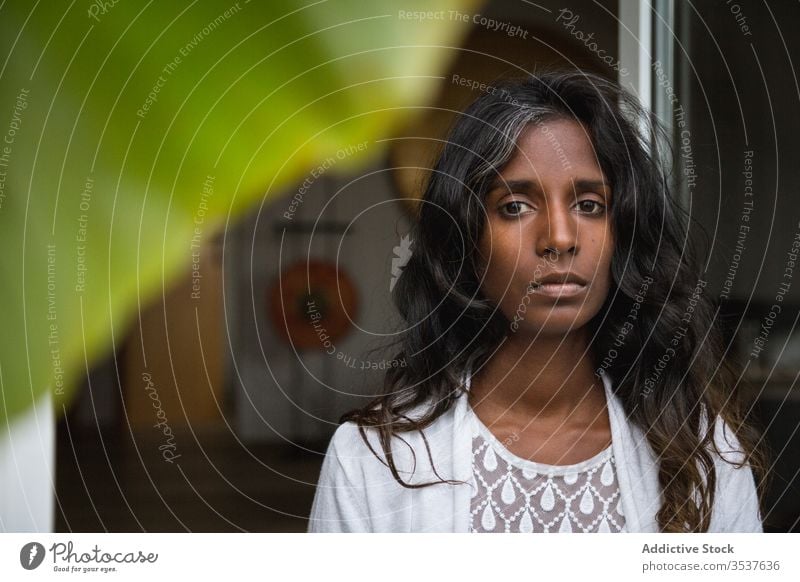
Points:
(528, 185)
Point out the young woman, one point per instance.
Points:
(563, 369)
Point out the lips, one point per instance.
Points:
(560, 278)
(558, 289)
(558, 285)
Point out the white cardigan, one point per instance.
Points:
(357, 492)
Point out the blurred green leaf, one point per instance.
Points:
(115, 117)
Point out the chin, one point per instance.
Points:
(555, 325)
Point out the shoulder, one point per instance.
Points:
(360, 452)
(727, 446)
(736, 507)
(357, 491)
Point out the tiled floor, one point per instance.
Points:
(121, 483)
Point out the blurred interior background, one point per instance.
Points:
(251, 406)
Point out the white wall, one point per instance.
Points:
(27, 454)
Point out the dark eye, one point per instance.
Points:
(513, 208)
(591, 207)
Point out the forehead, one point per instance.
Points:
(556, 148)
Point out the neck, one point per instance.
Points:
(540, 376)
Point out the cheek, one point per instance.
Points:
(495, 265)
(605, 262)
(603, 242)
(482, 253)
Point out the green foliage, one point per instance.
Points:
(114, 118)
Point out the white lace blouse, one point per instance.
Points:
(512, 494)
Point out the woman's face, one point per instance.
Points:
(548, 214)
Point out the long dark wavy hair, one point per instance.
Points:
(451, 326)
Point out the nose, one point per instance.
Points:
(557, 231)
